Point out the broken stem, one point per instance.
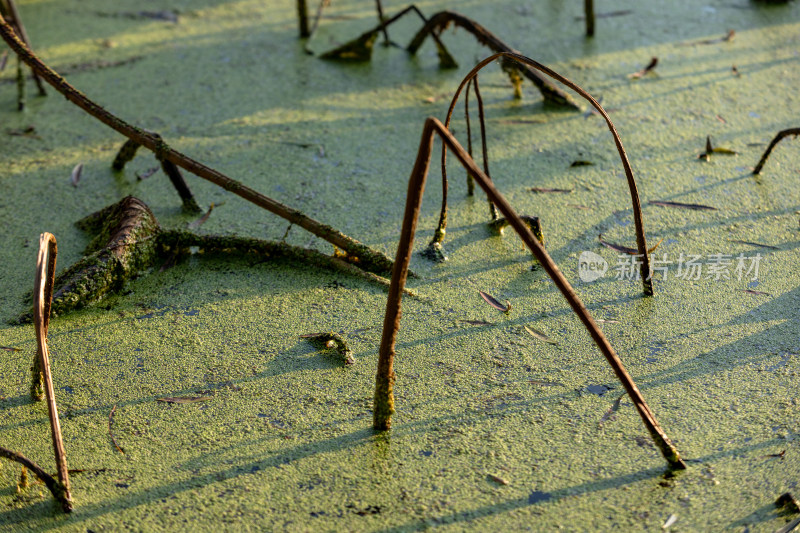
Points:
(43, 294)
(302, 18)
(441, 20)
(636, 205)
(385, 377)
(588, 8)
(778, 138)
(369, 259)
(56, 489)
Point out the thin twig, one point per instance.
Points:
(775, 141)
(43, 294)
(636, 205)
(56, 489)
(385, 377)
(16, 21)
(369, 259)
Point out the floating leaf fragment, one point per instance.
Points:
(184, 399)
(696, 207)
(604, 321)
(75, 177)
(612, 410)
(476, 322)
(625, 249)
(200, 221)
(548, 189)
(147, 173)
(9, 348)
(581, 163)
(670, 521)
(498, 479)
(756, 293)
(546, 383)
(28, 131)
(646, 70)
(494, 303)
(779, 455)
(756, 244)
(536, 334)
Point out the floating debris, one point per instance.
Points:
(494, 303)
(476, 322)
(646, 70)
(536, 334)
(75, 177)
(756, 244)
(184, 399)
(581, 163)
(331, 339)
(200, 221)
(680, 205)
(625, 249)
(548, 189)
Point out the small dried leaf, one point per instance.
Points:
(476, 322)
(756, 244)
(646, 70)
(147, 173)
(494, 303)
(536, 334)
(581, 163)
(696, 207)
(9, 348)
(604, 321)
(184, 399)
(546, 383)
(200, 221)
(498, 479)
(625, 249)
(670, 521)
(75, 177)
(613, 409)
(756, 293)
(548, 189)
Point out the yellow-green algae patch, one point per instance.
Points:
(284, 442)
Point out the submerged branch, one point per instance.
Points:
(370, 259)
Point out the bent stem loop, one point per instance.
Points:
(369, 259)
(43, 294)
(778, 138)
(385, 378)
(636, 205)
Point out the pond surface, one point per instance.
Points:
(495, 428)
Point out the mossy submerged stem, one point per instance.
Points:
(55, 488)
(778, 138)
(43, 294)
(385, 376)
(369, 259)
(636, 205)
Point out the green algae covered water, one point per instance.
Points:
(495, 429)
